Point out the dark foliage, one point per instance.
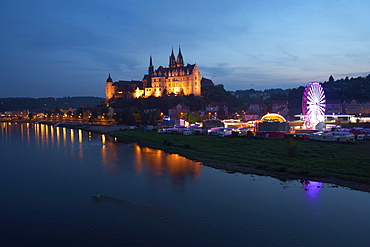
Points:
(210, 93)
(348, 89)
(11, 104)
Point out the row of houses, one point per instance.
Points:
(211, 111)
(356, 107)
(84, 112)
(220, 110)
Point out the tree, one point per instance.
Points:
(192, 118)
(79, 112)
(151, 117)
(164, 93)
(125, 116)
(331, 79)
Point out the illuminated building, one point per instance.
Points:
(109, 89)
(272, 125)
(177, 111)
(177, 79)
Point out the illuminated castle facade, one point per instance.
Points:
(175, 79)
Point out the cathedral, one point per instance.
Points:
(176, 79)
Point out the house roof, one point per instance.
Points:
(181, 105)
(163, 71)
(128, 86)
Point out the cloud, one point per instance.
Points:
(290, 55)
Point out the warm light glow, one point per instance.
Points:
(80, 136)
(157, 93)
(137, 92)
(159, 162)
(72, 135)
(273, 117)
(109, 155)
(58, 135)
(64, 135)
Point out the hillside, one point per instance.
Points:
(11, 104)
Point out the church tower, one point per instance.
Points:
(109, 89)
(151, 67)
(172, 60)
(180, 60)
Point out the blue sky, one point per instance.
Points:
(63, 48)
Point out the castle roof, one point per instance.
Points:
(174, 71)
(128, 86)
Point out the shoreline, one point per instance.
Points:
(223, 163)
(234, 167)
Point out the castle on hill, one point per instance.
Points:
(177, 78)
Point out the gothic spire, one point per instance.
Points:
(180, 59)
(172, 60)
(151, 67)
(109, 79)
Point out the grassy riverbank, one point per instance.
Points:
(331, 162)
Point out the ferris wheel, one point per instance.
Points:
(313, 105)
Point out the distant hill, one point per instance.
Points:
(344, 89)
(11, 104)
(348, 88)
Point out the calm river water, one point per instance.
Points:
(49, 175)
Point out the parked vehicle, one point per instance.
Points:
(225, 133)
(361, 137)
(215, 131)
(198, 131)
(333, 136)
(187, 132)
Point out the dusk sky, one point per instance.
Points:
(67, 48)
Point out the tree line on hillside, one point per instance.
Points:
(341, 89)
(12, 104)
(348, 88)
(210, 93)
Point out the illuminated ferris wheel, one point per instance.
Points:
(313, 105)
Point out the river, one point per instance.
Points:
(150, 198)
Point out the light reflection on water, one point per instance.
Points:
(312, 189)
(147, 159)
(50, 174)
(158, 162)
(312, 193)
